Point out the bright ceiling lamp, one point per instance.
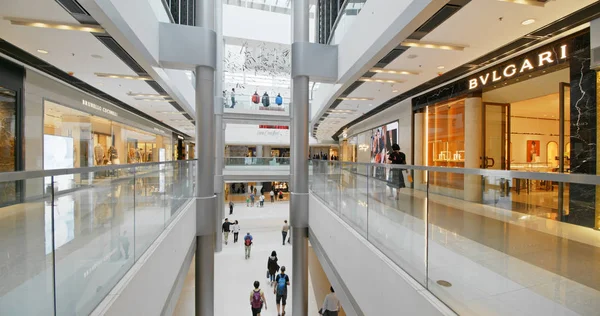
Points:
(423, 44)
(356, 99)
(380, 80)
(394, 71)
(153, 100)
(117, 76)
(148, 95)
(56, 25)
(170, 112)
(534, 3)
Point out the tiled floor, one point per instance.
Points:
(496, 265)
(234, 275)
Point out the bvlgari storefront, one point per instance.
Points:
(536, 112)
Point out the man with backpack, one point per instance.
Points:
(257, 299)
(281, 283)
(247, 245)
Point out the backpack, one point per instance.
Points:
(256, 300)
(265, 100)
(255, 98)
(247, 241)
(279, 100)
(281, 284)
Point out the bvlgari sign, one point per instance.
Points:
(549, 56)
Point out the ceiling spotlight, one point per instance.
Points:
(528, 21)
(42, 51)
(422, 44)
(441, 67)
(394, 71)
(394, 91)
(96, 56)
(117, 76)
(55, 25)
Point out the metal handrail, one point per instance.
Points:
(24, 175)
(545, 176)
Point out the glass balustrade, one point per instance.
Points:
(65, 246)
(490, 242)
(256, 161)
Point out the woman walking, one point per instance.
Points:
(272, 266)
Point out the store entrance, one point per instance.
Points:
(526, 127)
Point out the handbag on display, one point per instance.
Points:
(410, 178)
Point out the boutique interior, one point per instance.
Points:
(8, 117)
(80, 139)
(521, 132)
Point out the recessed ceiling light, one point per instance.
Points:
(422, 44)
(56, 25)
(117, 76)
(528, 21)
(96, 56)
(394, 91)
(534, 3)
(42, 51)
(394, 71)
(441, 67)
(356, 99)
(412, 56)
(380, 80)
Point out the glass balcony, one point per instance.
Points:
(75, 233)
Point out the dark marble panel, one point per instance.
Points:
(583, 132)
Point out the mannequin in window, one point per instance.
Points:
(99, 155)
(113, 156)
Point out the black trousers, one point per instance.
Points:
(235, 237)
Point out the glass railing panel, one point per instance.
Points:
(397, 214)
(354, 197)
(506, 246)
(257, 161)
(247, 105)
(149, 207)
(93, 240)
(26, 274)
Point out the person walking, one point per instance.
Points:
(252, 196)
(233, 98)
(272, 266)
(247, 200)
(262, 200)
(282, 281)
(396, 177)
(230, 207)
(257, 299)
(235, 228)
(226, 228)
(247, 245)
(284, 230)
(331, 304)
(272, 193)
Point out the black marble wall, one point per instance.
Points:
(583, 132)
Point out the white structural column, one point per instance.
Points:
(205, 172)
(473, 150)
(219, 133)
(299, 186)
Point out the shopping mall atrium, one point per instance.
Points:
(299, 157)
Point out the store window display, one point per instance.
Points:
(8, 101)
(96, 141)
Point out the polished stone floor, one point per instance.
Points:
(234, 275)
(498, 261)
